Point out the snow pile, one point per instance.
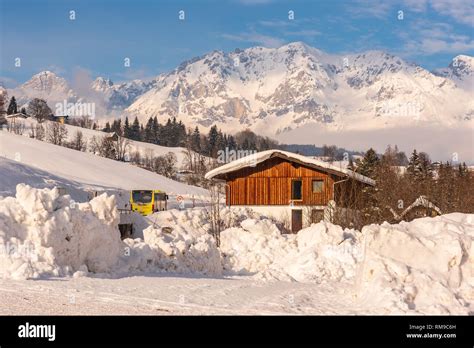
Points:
(178, 241)
(425, 265)
(319, 253)
(42, 232)
(197, 221)
(45, 234)
(173, 251)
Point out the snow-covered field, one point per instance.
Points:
(169, 294)
(68, 258)
(40, 164)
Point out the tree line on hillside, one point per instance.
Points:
(174, 133)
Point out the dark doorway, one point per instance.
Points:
(296, 220)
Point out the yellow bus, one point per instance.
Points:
(147, 202)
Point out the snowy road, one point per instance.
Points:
(166, 295)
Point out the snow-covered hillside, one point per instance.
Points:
(143, 148)
(276, 90)
(40, 164)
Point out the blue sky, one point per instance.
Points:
(150, 33)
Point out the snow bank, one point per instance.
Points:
(423, 266)
(172, 251)
(178, 241)
(45, 234)
(426, 265)
(319, 253)
(42, 233)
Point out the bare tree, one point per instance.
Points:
(40, 132)
(37, 132)
(136, 158)
(121, 147)
(39, 109)
(94, 145)
(107, 148)
(56, 133)
(214, 213)
(148, 158)
(3, 103)
(16, 127)
(78, 142)
(165, 165)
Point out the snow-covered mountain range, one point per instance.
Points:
(45, 85)
(121, 95)
(274, 90)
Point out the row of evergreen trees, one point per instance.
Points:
(174, 133)
(419, 166)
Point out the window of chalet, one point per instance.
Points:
(296, 189)
(318, 186)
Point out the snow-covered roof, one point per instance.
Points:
(259, 157)
(424, 202)
(19, 114)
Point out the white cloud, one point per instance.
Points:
(8, 82)
(372, 8)
(434, 38)
(276, 23)
(259, 39)
(460, 10)
(437, 141)
(303, 32)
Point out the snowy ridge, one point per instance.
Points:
(276, 90)
(461, 71)
(122, 95)
(44, 85)
(264, 155)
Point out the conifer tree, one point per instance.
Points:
(149, 136)
(414, 165)
(156, 131)
(12, 107)
(368, 164)
(126, 129)
(212, 141)
(135, 130)
(196, 140)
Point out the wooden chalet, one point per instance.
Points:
(281, 183)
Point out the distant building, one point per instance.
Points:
(18, 115)
(183, 174)
(14, 119)
(112, 136)
(421, 207)
(59, 118)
